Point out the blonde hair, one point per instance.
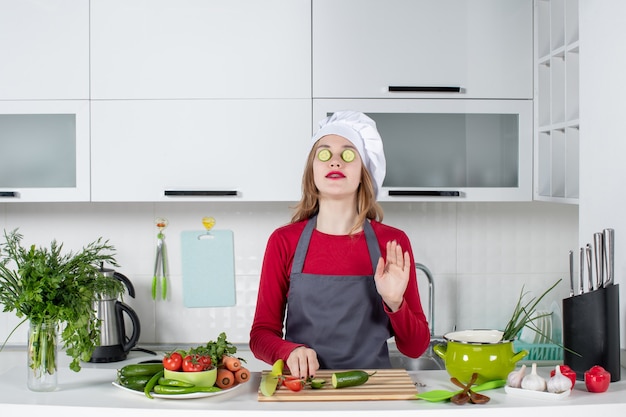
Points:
(366, 205)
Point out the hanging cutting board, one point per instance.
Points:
(385, 384)
(208, 267)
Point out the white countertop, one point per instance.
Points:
(90, 392)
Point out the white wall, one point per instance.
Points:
(480, 254)
(602, 139)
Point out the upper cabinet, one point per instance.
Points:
(190, 49)
(44, 150)
(44, 101)
(199, 150)
(556, 101)
(45, 49)
(199, 100)
(450, 150)
(423, 48)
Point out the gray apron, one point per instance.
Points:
(340, 317)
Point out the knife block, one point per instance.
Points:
(591, 329)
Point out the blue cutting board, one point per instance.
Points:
(208, 266)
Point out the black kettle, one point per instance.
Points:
(114, 343)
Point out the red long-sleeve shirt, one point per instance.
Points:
(329, 255)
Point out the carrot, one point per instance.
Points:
(242, 375)
(231, 363)
(225, 378)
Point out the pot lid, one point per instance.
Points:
(475, 336)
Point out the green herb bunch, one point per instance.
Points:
(217, 349)
(524, 315)
(47, 286)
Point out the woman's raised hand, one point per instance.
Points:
(392, 275)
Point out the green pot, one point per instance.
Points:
(478, 351)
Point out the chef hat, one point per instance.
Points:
(361, 131)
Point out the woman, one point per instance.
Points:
(344, 281)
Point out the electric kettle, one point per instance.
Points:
(114, 343)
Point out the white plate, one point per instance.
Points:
(179, 396)
(542, 324)
(539, 395)
(528, 335)
(557, 323)
(538, 324)
(546, 329)
(548, 334)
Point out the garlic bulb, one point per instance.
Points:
(534, 381)
(514, 380)
(559, 382)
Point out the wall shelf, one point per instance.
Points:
(556, 101)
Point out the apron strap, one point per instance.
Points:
(305, 238)
(303, 246)
(372, 244)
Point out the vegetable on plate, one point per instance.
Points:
(173, 361)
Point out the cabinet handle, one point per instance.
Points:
(420, 193)
(199, 193)
(423, 89)
(8, 194)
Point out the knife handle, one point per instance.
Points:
(581, 286)
(589, 268)
(609, 255)
(571, 273)
(598, 244)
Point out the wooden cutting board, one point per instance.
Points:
(386, 384)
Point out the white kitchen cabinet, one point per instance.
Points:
(450, 150)
(199, 150)
(424, 48)
(557, 135)
(190, 49)
(45, 49)
(44, 150)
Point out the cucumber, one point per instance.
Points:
(348, 155)
(324, 155)
(135, 387)
(134, 380)
(140, 369)
(349, 378)
(317, 383)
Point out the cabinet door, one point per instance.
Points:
(45, 49)
(200, 49)
(450, 150)
(482, 47)
(199, 150)
(44, 151)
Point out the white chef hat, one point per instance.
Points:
(361, 131)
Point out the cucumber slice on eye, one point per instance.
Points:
(348, 155)
(324, 155)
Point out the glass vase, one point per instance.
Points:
(42, 356)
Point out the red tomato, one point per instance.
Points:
(597, 379)
(172, 361)
(192, 364)
(205, 361)
(294, 384)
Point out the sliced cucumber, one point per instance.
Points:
(348, 155)
(317, 383)
(324, 155)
